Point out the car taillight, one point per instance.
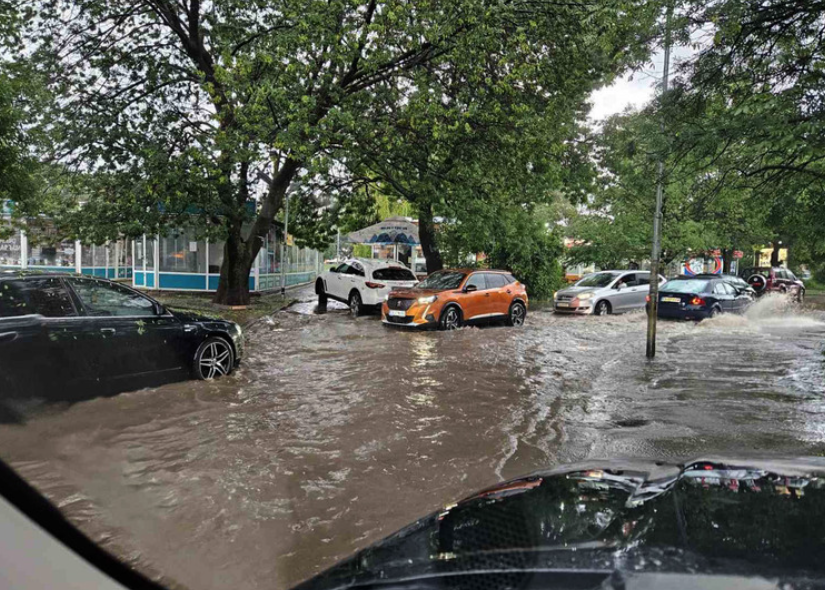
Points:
(697, 301)
(374, 285)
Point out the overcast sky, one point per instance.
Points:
(634, 89)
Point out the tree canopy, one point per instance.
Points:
(174, 107)
(741, 131)
(17, 166)
(701, 210)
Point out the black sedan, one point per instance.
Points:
(690, 298)
(62, 333)
(738, 283)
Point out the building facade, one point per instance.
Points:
(176, 261)
(23, 252)
(181, 261)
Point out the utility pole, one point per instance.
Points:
(284, 246)
(657, 217)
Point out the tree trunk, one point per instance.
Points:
(233, 288)
(775, 255)
(240, 254)
(426, 231)
(726, 255)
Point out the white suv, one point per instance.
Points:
(361, 282)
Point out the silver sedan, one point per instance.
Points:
(609, 291)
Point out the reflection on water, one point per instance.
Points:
(335, 432)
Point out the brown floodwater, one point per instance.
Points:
(336, 432)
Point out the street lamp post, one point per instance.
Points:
(653, 309)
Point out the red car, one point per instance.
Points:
(774, 280)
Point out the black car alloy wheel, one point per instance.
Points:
(214, 358)
(602, 308)
(355, 304)
(517, 314)
(451, 320)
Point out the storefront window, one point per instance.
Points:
(275, 265)
(139, 254)
(124, 254)
(99, 256)
(86, 255)
(182, 253)
(10, 250)
(215, 257)
(150, 253)
(61, 254)
(263, 256)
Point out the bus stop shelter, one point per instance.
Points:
(394, 238)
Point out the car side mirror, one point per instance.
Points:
(470, 288)
(159, 309)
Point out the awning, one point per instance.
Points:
(395, 230)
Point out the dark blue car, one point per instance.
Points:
(690, 298)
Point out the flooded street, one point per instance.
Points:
(336, 432)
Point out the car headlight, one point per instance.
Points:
(584, 296)
(425, 300)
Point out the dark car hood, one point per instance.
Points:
(186, 315)
(614, 521)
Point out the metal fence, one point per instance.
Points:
(180, 261)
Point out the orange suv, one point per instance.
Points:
(448, 299)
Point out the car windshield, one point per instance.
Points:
(600, 279)
(393, 274)
(685, 286)
(443, 280)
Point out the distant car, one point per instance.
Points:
(363, 283)
(693, 298)
(774, 280)
(60, 331)
(448, 299)
(738, 282)
(608, 291)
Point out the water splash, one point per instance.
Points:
(771, 312)
(771, 305)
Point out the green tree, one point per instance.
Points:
(476, 137)
(17, 168)
(749, 108)
(186, 106)
(701, 212)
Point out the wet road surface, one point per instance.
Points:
(336, 432)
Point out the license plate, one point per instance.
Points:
(671, 300)
(397, 313)
(562, 304)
